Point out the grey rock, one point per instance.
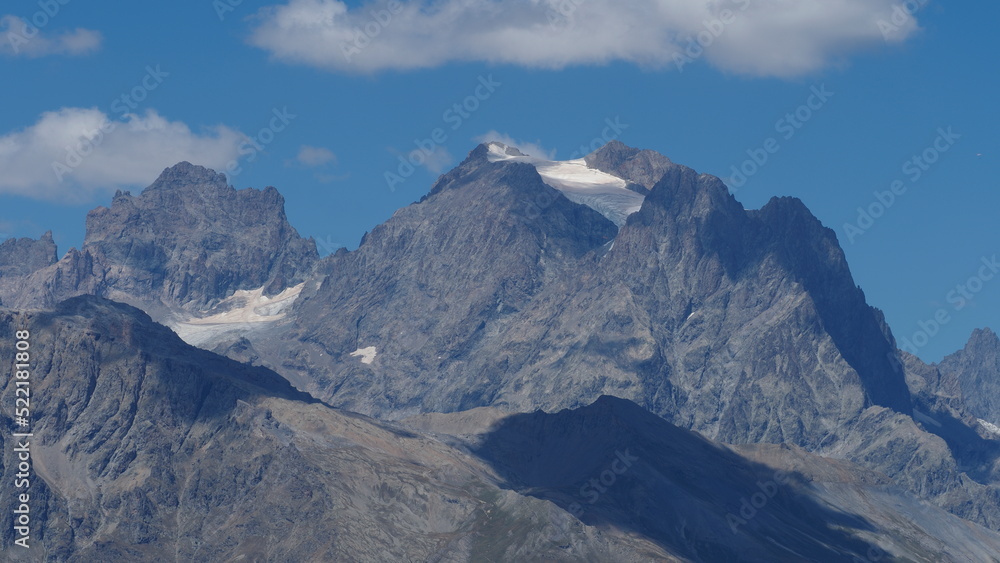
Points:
(641, 168)
(618, 466)
(976, 369)
(697, 309)
(188, 241)
(146, 449)
(743, 325)
(21, 257)
(25, 256)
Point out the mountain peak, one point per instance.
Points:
(977, 369)
(188, 240)
(642, 168)
(500, 148)
(615, 149)
(185, 174)
(24, 256)
(603, 192)
(983, 337)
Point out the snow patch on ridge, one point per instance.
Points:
(605, 193)
(243, 311)
(990, 426)
(367, 354)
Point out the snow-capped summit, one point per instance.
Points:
(502, 151)
(605, 193)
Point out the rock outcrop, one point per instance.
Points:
(186, 242)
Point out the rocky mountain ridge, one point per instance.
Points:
(497, 290)
(148, 449)
(21, 257)
(185, 243)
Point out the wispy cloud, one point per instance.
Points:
(527, 147)
(74, 153)
(20, 38)
(437, 160)
(754, 37)
(315, 156)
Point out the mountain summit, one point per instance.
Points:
(641, 168)
(502, 287)
(186, 242)
(521, 283)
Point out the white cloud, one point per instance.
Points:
(756, 37)
(436, 160)
(19, 38)
(528, 148)
(75, 153)
(315, 156)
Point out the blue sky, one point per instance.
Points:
(292, 96)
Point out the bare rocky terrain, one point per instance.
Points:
(185, 243)
(448, 390)
(147, 449)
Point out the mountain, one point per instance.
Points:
(641, 168)
(744, 325)
(185, 243)
(19, 258)
(608, 194)
(147, 449)
(524, 284)
(616, 465)
(496, 289)
(976, 369)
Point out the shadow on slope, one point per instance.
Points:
(614, 464)
(975, 455)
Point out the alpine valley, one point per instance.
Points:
(602, 359)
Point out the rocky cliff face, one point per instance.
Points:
(976, 369)
(19, 258)
(186, 242)
(146, 449)
(641, 168)
(24, 256)
(496, 290)
(616, 465)
(429, 287)
(743, 325)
